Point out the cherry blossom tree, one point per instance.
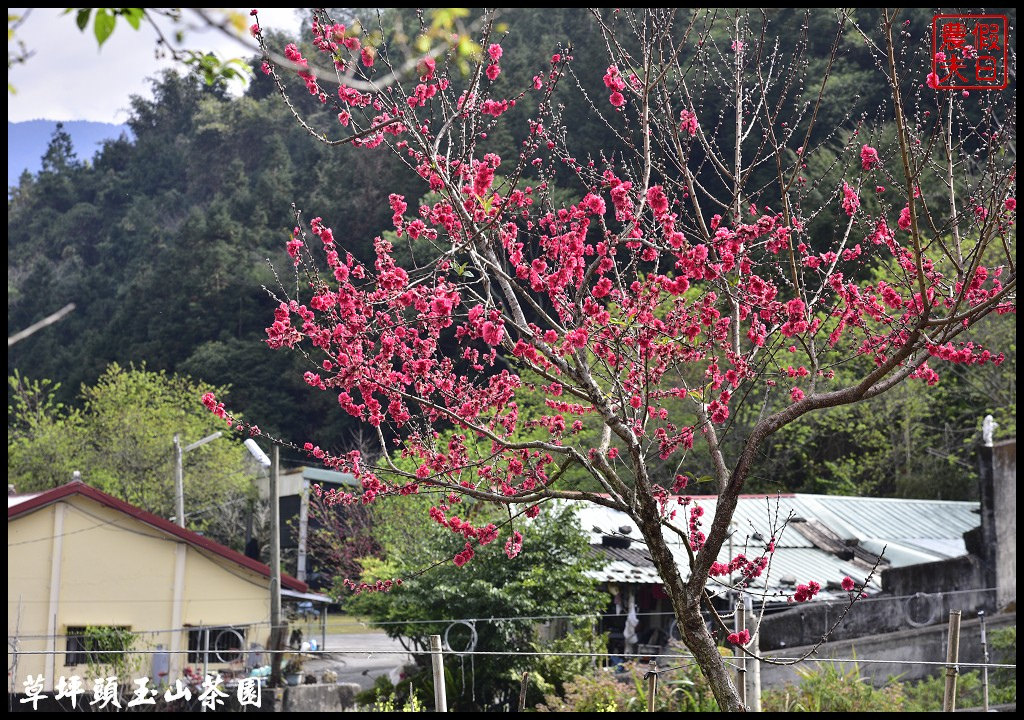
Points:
(725, 256)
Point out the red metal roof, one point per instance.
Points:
(79, 488)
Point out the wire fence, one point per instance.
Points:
(528, 653)
(318, 624)
(204, 648)
(659, 664)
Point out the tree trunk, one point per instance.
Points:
(698, 641)
(687, 610)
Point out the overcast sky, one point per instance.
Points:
(70, 78)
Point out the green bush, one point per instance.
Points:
(830, 688)
(680, 689)
(598, 692)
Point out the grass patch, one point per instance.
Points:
(339, 623)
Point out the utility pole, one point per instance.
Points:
(275, 573)
(652, 685)
(179, 484)
(275, 557)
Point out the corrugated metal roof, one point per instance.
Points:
(949, 547)
(754, 515)
(764, 516)
(911, 531)
(636, 555)
(892, 518)
(622, 571)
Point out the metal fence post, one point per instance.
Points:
(206, 656)
(984, 670)
(440, 699)
(741, 625)
(952, 655)
(754, 676)
(652, 685)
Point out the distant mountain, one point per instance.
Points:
(27, 141)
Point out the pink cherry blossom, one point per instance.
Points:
(868, 157)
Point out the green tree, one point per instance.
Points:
(44, 436)
(549, 577)
(60, 153)
(120, 439)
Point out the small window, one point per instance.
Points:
(218, 645)
(97, 644)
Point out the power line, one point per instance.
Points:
(818, 603)
(438, 621)
(105, 523)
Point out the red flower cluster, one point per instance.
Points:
(851, 201)
(461, 558)
(687, 122)
(379, 586)
(806, 592)
(697, 536)
(904, 222)
(514, 545)
(868, 157)
(740, 638)
(748, 569)
(494, 52)
(614, 82)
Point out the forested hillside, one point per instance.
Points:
(169, 243)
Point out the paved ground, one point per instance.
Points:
(359, 658)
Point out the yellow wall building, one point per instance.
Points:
(78, 558)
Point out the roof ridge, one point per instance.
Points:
(80, 488)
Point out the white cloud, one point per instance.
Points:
(69, 78)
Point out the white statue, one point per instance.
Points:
(988, 429)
